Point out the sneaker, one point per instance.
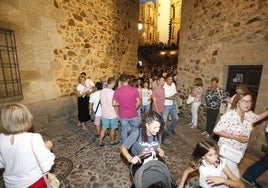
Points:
(193, 127)
(252, 183)
(204, 133)
(190, 123)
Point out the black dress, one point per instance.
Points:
(83, 112)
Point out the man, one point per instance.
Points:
(170, 95)
(158, 96)
(128, 100)
(109, 116)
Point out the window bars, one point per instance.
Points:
(10, 82)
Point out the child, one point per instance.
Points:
(212, 169)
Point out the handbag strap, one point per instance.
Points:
(44, 174)
(98, 106)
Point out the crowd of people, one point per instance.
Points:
(142, 107)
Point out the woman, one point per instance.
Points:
(18, 149)
(197, 94)
(82, 101)
(145, 139)
(146, 94)
(240, 88)
(214, 97)
(235, 126)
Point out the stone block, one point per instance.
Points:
(30, 75)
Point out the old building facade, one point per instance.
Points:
(216, 35)
(56, 40)
(148, 19)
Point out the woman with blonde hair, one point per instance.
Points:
(20, 149)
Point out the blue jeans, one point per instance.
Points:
(255, 170)
(126, 123)
(146, 108)
(173, 112)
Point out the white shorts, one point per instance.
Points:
(97, 120)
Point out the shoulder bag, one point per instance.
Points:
(231, 153)
(51, 179)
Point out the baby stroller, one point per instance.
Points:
(151, 173)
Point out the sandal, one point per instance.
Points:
(115, 143)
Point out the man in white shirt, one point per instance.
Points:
(170, 96)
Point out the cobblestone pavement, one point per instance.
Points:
(81, 163)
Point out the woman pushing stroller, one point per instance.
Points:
(145, 139)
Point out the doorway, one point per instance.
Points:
(250, 75)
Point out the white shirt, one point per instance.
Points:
(81, 88)
(170, 90)
(95, 99)
(89, 84)
(146, 96)
(19, 162)
(206, 170)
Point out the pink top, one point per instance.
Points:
(231, 123)
(159, 95)
(126, 96)
(106, 98)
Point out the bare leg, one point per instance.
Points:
(102, 134)
(83, 126)
(112, 135)
(98, 129)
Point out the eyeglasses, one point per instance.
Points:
(245, 101)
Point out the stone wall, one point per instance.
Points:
(215, 34)
(58, 39)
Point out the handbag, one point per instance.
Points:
(190, 99)
(93, 114)
(51, 179)
(231, 153)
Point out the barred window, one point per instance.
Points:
(10, 82)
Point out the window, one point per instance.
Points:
(10, 82)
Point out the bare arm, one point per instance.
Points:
(185, 174)
(263, 115)
(90, 106)
(155, 105)
(138, 103)
(231, 180)
(239, 138)
(126, 154)
(115, 103)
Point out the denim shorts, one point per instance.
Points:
(110, 123)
